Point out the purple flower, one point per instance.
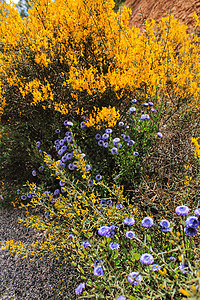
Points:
(98, 177)
(190, 231)
(116, 141)
(70, 236)
(100, 143)
(98, 263)
(153, 110)
(103, 230)
(119, 206)
(80, 288)
(126, 138)
(41, 168)
(197, 211)
(136, 153)
(134, 278)
(105, 144)
(172, 258)
(69, 139)
(113, 227)
(164, 229)
(132, 109)
(108, 130)
(98, 271)
(71, 167)
(164, 223)
(121, 123)
(88, 168)
(130, 143)
(146, 259)
(90, 182)
(86, 243)
(34, 173)
(182, 210)
(110, 235)
(192, 221)
(129, 221)
(69, 123)
(134, 101)
(159, 134)
(23, 197)
(62, 142)
(98, 136)
(68, 133)
(105, 136)
(155, 267)
(83, 125)
(147, 222)
(130, 234)
(38, 144)
(114, 246)
(150, 103)
(183, 268)
(58, 130)
(120, 298)
(114, 150)
(29, 195)
(144, 117)
(145, 104)
(46, 214)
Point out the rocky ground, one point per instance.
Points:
(22, 279)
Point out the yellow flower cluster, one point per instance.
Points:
(195, 141)
(107, 116)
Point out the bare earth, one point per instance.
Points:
(22, 279)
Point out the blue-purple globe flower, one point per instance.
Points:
(34, 173)
(98, 136)
(134, 101)
(192, 221)
(155, 267)
(159, 134)
(116, 141)
(98, 271)
(146, 259)
(108, 130)
(86, 244)
(129, 221)
(114, 246)
(120, 298)
(119, 206)
(103, 230)
(136, 153)
(132, 109)
(23, 197)
(38, 144)
(147, 222)
(197, 211)
(134, 278)
(121, 123)
(190, 231)
(183, 267)
(114, 150)
(80, 288)
(98, 177)
(172, 258)
(182, 210)
(130, 234)
(164, 223)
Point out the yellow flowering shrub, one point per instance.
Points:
(70, 55)
(107, 116)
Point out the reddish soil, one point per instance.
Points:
(156, 9)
